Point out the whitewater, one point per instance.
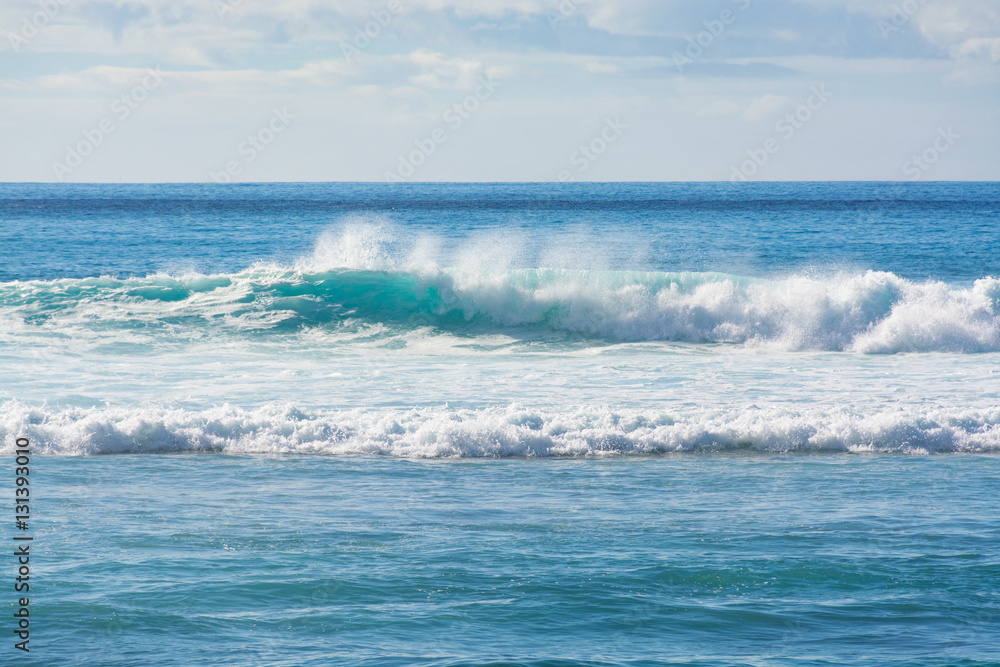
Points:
(873, 312)
(358, 348)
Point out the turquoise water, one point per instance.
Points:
(622, 424)
(206, 560)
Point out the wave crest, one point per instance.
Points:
(872, 312)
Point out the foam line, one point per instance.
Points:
(513, 430)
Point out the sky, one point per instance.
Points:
(492, 90)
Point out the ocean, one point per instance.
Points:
(504, 424)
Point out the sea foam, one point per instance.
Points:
(508, 431)
(362, 276)
(870, 312)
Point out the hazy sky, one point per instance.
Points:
(484, 90)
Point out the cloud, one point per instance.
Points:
(986, 48)
(948, 24)
(601, 68)
(765, 107)
(422, 69)
(228, 60)
(115, 17)
(439, 71)
(216, 33)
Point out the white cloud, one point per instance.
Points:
(439, 71)
(950, 25)
(601, 68)
(765, 107)
(978, 47)
(609, 56)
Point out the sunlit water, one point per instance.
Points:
(492, 424)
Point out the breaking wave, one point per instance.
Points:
(871, 312)
(511, 431)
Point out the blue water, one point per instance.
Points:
(946, 231)
(614, 424)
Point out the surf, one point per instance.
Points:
(513, 430)
(867, 312)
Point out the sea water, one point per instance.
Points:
(505, 424)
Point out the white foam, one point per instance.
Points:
(514, 430)
(399, 282)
